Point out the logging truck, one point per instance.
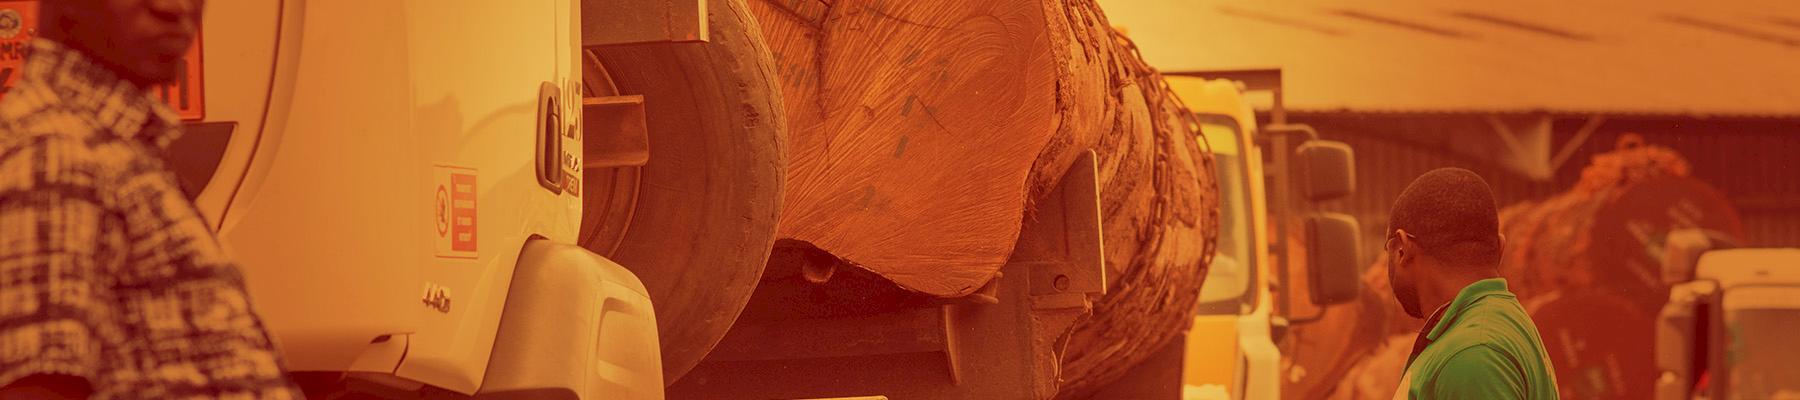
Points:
(581, 198)
(1724, 332)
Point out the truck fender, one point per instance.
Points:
(575, 325)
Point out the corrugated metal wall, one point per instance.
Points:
(1755, 165)
(1754, 162)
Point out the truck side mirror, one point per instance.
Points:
(1676, 332)
(1333, 244)
(1328, 169)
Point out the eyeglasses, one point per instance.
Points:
(1392, 235)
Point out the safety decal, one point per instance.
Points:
(453, 218)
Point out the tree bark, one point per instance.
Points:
(922, 132)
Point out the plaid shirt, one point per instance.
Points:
(107, 272)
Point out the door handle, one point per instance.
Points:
(549, 138)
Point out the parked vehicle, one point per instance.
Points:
(1723, 333)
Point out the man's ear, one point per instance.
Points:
(1406, 243)
(1407, 251)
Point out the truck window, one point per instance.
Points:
(1227, 289)
(1759, 348)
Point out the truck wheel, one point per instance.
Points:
(697, 222)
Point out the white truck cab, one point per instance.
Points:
(1726, 332)
(428, 197)
(396, 184)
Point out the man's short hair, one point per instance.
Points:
(1451, 213)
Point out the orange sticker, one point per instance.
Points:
(454, 212)
(571, 183)
(19, 22)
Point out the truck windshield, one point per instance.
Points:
(1759, 345)
(1227, 289)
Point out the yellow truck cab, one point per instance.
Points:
(1230, 350)
(1233, 320)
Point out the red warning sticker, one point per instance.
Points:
(453, 218)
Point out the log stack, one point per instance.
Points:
(1584, 263)
(922, 132)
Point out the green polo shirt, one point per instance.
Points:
(1481, 346)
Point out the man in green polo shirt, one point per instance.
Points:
(1444, 252)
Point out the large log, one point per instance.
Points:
(913, 126)
(1584, 263)
(921, 133)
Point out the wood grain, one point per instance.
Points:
(913, 129)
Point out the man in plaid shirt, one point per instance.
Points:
(111, 284)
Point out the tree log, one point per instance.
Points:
(921, 133)
(1585, 263)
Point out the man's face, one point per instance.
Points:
(142, 40)
(1406, 288)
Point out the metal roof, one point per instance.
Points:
(1723, 58)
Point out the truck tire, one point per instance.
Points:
(699, 218)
